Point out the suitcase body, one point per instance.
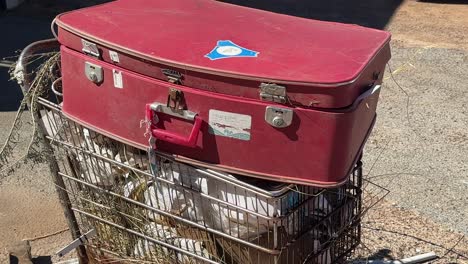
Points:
(227, 87)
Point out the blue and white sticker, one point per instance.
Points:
(228, 49)
(227, 124)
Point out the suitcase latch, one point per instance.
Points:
(173, 76)
(94, 72)
(90, 48)
(278, 116)
(174, 99)
(273, 92)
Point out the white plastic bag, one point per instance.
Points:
(170, 236)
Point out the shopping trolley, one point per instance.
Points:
(147, 207)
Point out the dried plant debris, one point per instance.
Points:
(10, 156)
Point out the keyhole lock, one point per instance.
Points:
(278, 121)
(278, 117)
(94, 72)
(93, 77)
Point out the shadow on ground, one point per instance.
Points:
(42, 260)
(37, 260)
(22, 26)
(370, 13)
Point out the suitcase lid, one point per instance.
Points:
(229, 40)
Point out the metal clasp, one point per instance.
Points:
(174, 99)
(173, 76)
(273, 92)
(94, 72)
(278, 116)
(90, 48)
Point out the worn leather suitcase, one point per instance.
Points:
(226, 87)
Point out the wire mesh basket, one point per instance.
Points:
(147, 207)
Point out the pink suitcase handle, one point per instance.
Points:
(171, 137)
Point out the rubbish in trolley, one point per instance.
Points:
(201, 213)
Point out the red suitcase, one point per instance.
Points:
(228, 87)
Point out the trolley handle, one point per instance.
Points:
(54, 87)
(23, 77)
(188, 141)
(366, 94)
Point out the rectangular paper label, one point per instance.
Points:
(118, 82)
(231, 125)
(114, 56)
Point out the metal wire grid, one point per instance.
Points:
(202, 215)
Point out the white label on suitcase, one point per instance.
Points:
(118, 82)
(114, 56)
(231, 125)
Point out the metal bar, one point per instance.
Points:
(178, 218)
(49, 104)
(76, 243)
(232, 180)
(6, 64)
(161, 243)
(24, 80)
(54, 87)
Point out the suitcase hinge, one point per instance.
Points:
(90, 48)
(273, 92)
(172, 76)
